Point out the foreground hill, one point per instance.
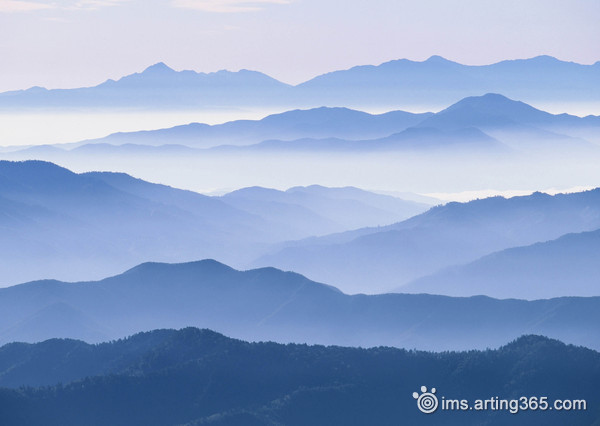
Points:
(198, 377)
(380, 259)
(268, 304)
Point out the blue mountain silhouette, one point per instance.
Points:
(314, 123)
(435, 81)
(60, 224)
(269, 304)
(570, 264)
(383, 258)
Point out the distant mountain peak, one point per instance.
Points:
(496, 96)
(159, 67)
(437, 58)
(199, 265)
(488, 97)
(489, 100)
(36, 89)
(545, 58)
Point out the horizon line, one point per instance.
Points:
(179, 70)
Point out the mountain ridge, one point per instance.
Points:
(489, 119)
(413, 80)
(92, 224)
(446, 235)
(270, 304)
(540, 269)
(187, 377)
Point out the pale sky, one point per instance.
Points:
(73, 43)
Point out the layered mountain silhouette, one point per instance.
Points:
(570, 263)
(541, 78)
(435, 81)
(490, 124)
(74, 226)
(268, 304)
(324, 266)
(468, 140)
(516, 123)
(383, 258)
(58, 223)
(158, 87)
(493, 110)
(348, 207)
(197, 377)
(313, 123)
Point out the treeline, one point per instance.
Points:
(199, 377)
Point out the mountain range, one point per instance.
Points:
(157, 87)
(469, 141)
(397, 83)
(309, 205)
(316, 123)
(60, 224)
(269, 304)
(489, 124)
(546, 269)
(538, 79)
(307, 277)
(198, 377)
(385, 258)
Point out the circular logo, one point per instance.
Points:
(427, 402)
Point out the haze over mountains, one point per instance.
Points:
(475, 121)
(435, 81)
(293, 251)
(382, 259)
(491, 113)
(313, 123)
(58, 224)
(91, 225)
(505, 143)
(546, 269)
(268, 304)
(349, 207)
(516, 123)
(470, 141)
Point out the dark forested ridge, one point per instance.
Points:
(195, 377)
